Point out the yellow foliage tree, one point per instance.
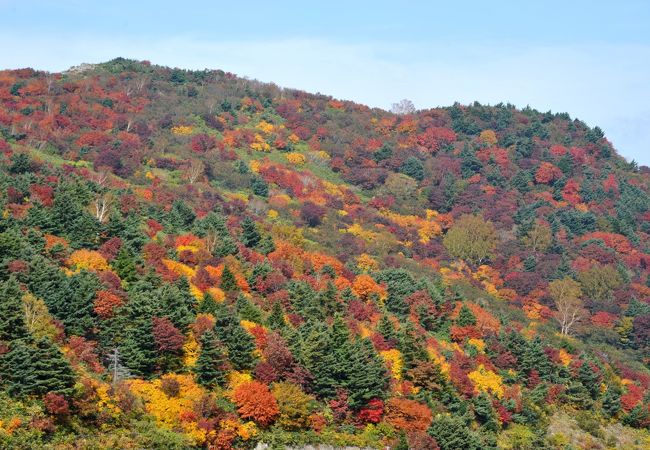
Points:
(486, 381)
(87, 260)
(294, 404)
(394, 361)
(297, 159)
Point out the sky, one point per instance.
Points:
(588, 58)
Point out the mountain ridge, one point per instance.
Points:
(313, 270)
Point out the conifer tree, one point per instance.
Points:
(386, 328)
(589, 378)
(266, 245)
(534, 358)
(366, 376)
(29, 369)
(612, 401)
(465, 317)
(139, 346)
(211, 367)
(250, 234)
(238, 341)
(276, 320)
(12, 314)
(228, 281)
(247, 310)
(177, 303)
(124, 265)
(52, 372)
(408, 344)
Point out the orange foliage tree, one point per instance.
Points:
(255, 401)
(408, 415)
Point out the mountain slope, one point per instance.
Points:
(215, 261)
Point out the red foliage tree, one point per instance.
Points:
(105, 303)
(56, 404)
(166, 335)
(202, 143)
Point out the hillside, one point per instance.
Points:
(189, 259)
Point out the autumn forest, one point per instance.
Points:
(190, 259)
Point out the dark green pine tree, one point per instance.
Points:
(484, 413)
(16, 369)
(452, 433)
(52, 372)
(411, 349)
(366, 376)
(76, 307)
(177, 303)
(534, 358)
(315, 351)
(612, 401)
(208, 305)
(386, 328)
(211, 366)
(413, 168)
(266, 245)
(250, 234)
(228, 281)
(327, 299)
(589, 378)
(38, 216)
(238, 341)
(124, 265)
(276, 320)
(29, 369)
(577, 395)
(12, 314)
(247, 310)
(214, 226)
(181, 216)
(465, 317)
(138, 347)
(637, 417)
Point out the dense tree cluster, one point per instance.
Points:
(213, 262)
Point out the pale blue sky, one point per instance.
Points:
(588, 58)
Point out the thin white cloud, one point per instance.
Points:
(602, 85)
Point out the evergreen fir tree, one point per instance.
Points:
(535, 358)
(276, 320)
(138, 348)
(316, 355)
(465, 317)
(577, 395)
(386, 328)
(408, 345)
(250, 234)
(177, 303)
(35, 370)
(124, 265)
(208, 305)
(484, 413)
(75, 309)
(612, 401)
(327, 299)
(52, 372)
(238, 341)
(247, 310)
(589, 378)
(12, 314)
(211, 366)
(228, 281)
(366, 376)
(266, 245)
